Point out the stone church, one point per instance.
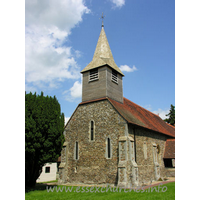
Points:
(109, 139)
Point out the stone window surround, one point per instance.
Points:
(106, 155)
(75, 148)
(155, 154)
(155, 160)
(93, 131)
(145, 149)
(131, 149)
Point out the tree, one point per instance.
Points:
(44, 126)
(171, 116)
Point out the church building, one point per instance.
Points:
(109, 139)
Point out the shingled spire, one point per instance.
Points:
(102, 77)
(102, 55)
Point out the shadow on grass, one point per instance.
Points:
(39, 186)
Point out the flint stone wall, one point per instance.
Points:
(144, 142)
(92, 165)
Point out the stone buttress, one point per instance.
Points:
(127, 167)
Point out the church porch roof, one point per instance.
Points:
(169, 148)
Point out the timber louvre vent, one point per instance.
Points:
(94, 75)
(114, 76)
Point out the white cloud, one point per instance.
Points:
(66, 120)
(48, 24)
(126, 68)
(118, 3)
(75, 92)
(148, 107)
(56, 16)
(161, 113)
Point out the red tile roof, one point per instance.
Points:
(94, 100)
(169, 148)
(137, 115)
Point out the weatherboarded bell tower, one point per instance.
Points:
(102, 77)
(108, 138)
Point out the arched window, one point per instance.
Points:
(108, 153)
(108, 146)
(92, 130)
(76, 151)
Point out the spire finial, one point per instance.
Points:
(102, 17)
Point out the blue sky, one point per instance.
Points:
(60, 41)
(61, 37)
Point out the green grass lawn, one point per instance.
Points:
(40, 192)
